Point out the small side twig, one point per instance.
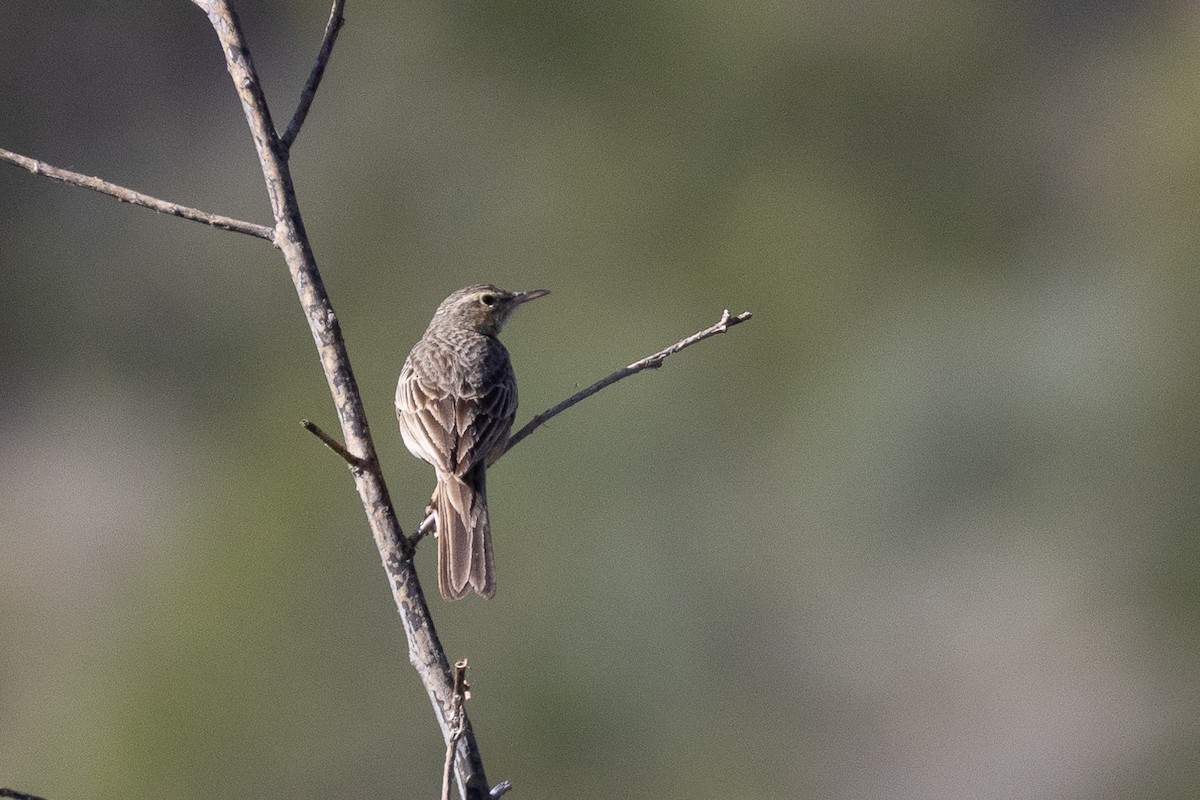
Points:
(424, 529)
(126, 195)
(653, 361)
(462, 692)
(333, 444)
(332, 28)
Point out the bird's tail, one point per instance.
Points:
(464, 535)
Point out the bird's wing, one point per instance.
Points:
(483, 423)
(453, 433)
(427, 421)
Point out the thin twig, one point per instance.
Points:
(649, 362)
(333, 444)
(336, 20)
(654, 361)
(461, 692)
(126, 195)
(424, 529)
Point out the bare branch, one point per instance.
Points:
(654, 361)
(332, 28)
(126, 195)
(424, 648)
(15, 795)
(333, 444)
(447, 691)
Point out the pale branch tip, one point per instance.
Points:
(722, 325)
(133, 197)
(332, 28)
(652, 361)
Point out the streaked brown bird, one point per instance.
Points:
(456, 401)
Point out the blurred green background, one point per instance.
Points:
(926, 527)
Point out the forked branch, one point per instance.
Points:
(332, 28)
(424, 649)
(446, 691)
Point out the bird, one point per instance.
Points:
(456, 401)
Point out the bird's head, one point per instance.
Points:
(483, 308)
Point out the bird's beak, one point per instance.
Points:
(525, 297)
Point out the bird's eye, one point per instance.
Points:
(488, 299)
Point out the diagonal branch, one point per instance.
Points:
(653, 361)
(15, 795)
(424, 648)
(288, 235)
(332, 28)
(126, 195)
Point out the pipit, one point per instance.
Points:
(456, 401)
